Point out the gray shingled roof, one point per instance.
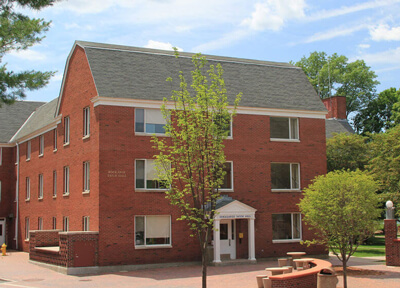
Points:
(337, 126)
(42, 117)
(13, 116)
(139, 73)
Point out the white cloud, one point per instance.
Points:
(383, 32)
(336, 32)
(364, 46)
(70, 26)
(272, 14)
(30, 55)
(324, 14)
(224, 41)
(389, 57)
(161, 45)
(58, 77)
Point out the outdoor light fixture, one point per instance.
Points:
(389, 210)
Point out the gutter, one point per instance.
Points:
(17, 199)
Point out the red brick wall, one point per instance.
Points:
(336, 107)
(7, 204)
(308, 281)
(78, 90)
(392, 243)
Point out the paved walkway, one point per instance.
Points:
(20, 273)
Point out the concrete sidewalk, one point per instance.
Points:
(20, 273)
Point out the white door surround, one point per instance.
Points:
(227, 237)
(231, 211)
(2, 231)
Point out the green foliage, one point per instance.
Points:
(346, 151)
(342, 207)
(191, 157)
(377, 115)
(18, 32)
(334, 75)
(385, 163)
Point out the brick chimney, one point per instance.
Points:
(336, 106)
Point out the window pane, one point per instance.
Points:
(280, 176)
(279, 127)
(296, 226)
(295, 176)
(228, 176)
(294, 133)
(223, 231)
(157, 230)
(224, 123)
(139, 230)
(140, 174)
(281, 226)
(139, 120)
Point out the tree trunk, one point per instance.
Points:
(344, 264)
(204, 270)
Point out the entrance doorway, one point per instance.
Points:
(2, 231)
(227, 238)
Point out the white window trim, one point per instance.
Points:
(65, 223)
(86, 177)
(144, 123)
(291, 225)
(27, 229)
(27, 189)
(145, 180)
(67, 129)
(290, 131)
(55, 184)
(28, 150)
(55, 140)
(41, 145)
(54, 223)
(1, 156)
(291, 178)
(86, 223)
(66, 181)
(41, 184)
(144, 246)
(229, 189)
(40, 223)
(86, 122)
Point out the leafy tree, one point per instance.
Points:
(396, 109)
(18, 32)
(342, 207)
(346, 151)
(377, 115)
(385, 163)
(334, 75)
(190, 160)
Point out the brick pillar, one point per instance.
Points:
(392, 244)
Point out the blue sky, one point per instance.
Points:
(272, 30)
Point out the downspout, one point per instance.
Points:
(17, 200)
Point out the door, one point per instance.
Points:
(227, 237)
(2, 231)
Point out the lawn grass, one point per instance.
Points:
(375, 246)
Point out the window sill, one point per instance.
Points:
(27, 199)
(27, 160)
(150, 190)
(153, 247)
(86, 192)
(55, 150)
(150, 134)
(55, 197)
(225, 190)
(40, 155)
(66, 144)
(86, 137)
(65, 194)
(286, 241)
(26, 240)
(286, 190)
(40, 199)
(283, 140)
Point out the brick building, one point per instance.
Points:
(83, 162)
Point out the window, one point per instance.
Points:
(228, 178)
(40, 223)
(66, 130)
(40, 188)
(284, 128)
(65, 224)
(66, 180)
(0, 191)
(285, 176)
(85, 223)
(152, 230)
(1, 156)
(27, 228)
(146, 175)
(55, 140)
(28, 188)
(86, 176)
(149, 121)
(225, 122)
(28, 150)
(54, 223)
(54, 183)
(286, 226)
(86, 122)
(41, 145)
